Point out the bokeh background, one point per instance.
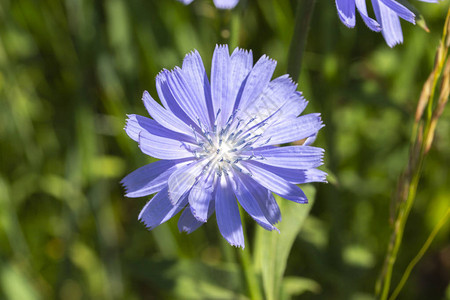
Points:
(70, 71)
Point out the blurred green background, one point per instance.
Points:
(70, 71)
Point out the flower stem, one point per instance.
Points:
(249, 271)
(422, 138)
(303, 17)
(252, 283)
(420, 254)
(235, 29)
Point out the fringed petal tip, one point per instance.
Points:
(392, 42)
(243, 51)
(185, 229)
(316, 175)
(242, 246)
(191, 53)
(149, 228)
(142, 220)
(197, 217)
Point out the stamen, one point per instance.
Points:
(225, 172)
(222, 147)
(240, 142)
(235, 135)
(266, 142)
(242, 170)
(250, 121)
(195, 134)
(217, 114)
(238, 124)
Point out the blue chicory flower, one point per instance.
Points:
(221, 4)
(217, 143)
(387, 13)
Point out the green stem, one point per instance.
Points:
(303, 17)
(418, 153)
(420, 254)
(399, 228)
(249, 272)
(246, 260)
(252, 283)
(235, 30)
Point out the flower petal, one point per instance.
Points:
(168, 100)
(296, 176)
(371, 23)
(241, 63)
(159, 209)
(266, 201)
(186, 98)
(255, 82)
(311, 139)
(294, 105)
(195, 74)
(400, 10)
(275, 183)
(164, 148)
(200, 196)
(227, 214)
(150, 178)
(270, 101)
(250, 204)
(346, 11)
(164, 117)
(390, 23)
(220, 77)
(227, 75)
(137, 124)
(188, 223)
(225, 4)
(290, 130)
(291, 157)
(182, 180)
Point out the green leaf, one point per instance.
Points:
(272, 249)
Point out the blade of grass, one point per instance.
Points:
(420, 254)
(422, 137)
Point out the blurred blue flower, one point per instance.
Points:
(217, 142)
(387, 13)
(222, 4)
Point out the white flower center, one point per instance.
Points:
(222, 149)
